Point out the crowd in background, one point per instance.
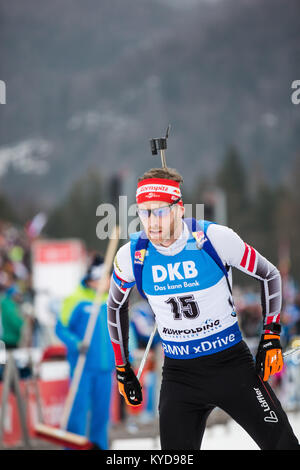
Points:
(17, 315)
(16, 293)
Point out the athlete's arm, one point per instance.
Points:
(235, 252)
(122, 282)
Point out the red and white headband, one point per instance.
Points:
(158, 189)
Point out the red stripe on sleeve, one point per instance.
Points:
(252, 260)
(118, 354)
(273, 318)
(123, 289)
(243, 262)
(119, 277)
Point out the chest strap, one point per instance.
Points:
(198, 231)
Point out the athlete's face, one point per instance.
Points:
(164, 225)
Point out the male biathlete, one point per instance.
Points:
(183, 268)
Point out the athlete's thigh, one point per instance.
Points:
(253, 404)
(181, 419)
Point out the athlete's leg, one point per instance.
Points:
(182, 421)
(253, 404)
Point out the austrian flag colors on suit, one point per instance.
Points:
(253, 263)
(192, 298)
(249, 258)
(189, 293)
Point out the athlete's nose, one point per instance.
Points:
(154, 221)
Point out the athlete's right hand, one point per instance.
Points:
(129, 386)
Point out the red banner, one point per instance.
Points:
(57, 251)
(52, 397)
(52, 394)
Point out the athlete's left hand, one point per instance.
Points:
(269, 359)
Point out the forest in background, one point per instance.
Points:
(89, 83)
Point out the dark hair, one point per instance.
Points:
(168, 173)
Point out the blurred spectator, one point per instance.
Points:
(297, 322)
(94, 391)
(15, 270)
(292, 389)
(290, 320)
(142, 322)
(15, 257)
(250, 318)
(11, 318)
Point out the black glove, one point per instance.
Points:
(129, 386)
(269, 356)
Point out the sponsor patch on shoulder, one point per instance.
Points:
(200, 238)
(139, 256)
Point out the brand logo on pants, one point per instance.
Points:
(271, 416)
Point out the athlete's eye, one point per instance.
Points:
(143, 213)
(159, 212)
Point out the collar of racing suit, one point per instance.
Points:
(178, 244)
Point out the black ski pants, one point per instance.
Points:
(191, 388)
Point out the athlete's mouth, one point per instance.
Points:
(155, 232)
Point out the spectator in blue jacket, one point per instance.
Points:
(94, 391)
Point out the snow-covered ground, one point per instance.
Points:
(218, 437)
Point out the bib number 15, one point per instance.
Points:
(185, 305)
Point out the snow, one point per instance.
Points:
(218, 437)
